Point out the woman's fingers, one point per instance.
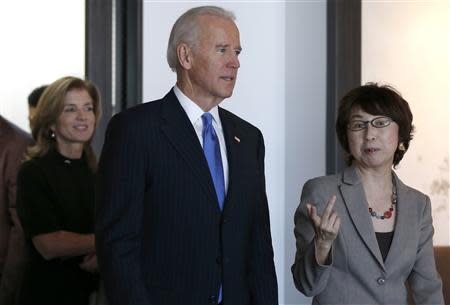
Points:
(329, 207)
(332, 220)
(309, 207)
(337, 224)
(89, 264)
(326, 225)
(312, 211)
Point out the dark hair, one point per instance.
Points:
(34, 96)
(376, 100)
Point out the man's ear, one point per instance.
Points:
(184, 54)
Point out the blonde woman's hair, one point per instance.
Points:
(50, 107)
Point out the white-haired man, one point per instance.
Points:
(182, 214)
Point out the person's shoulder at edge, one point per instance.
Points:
(328, 180)
(13, 133)
(415, 192)
(33, 167)
(318, 190)
(144, 113)
(144, 109)
(244, 125)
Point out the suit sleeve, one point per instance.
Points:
(310, 277)
(425, 282)
(119, 205)
(263, 279)
(15, 259)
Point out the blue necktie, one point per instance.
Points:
(211, 149)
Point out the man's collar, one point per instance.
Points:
(193, 111)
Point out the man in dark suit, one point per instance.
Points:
(182, 214)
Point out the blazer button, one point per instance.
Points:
(212, 299)
(381, 280)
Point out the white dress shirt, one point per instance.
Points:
(194, 113)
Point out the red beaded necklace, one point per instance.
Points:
(388, 213)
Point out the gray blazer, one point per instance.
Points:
(355, 272)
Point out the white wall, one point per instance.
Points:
(281, 88)
(41, 42)
(406, 44)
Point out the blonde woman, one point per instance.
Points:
(55, 196)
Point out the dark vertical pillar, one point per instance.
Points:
(119, 56)
(129, 53)
(133, 66)
(99, 59)
(343, 67)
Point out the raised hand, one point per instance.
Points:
(326, 226)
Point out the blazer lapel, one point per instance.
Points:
(401, 231)
(232, 139)
(355, 200)
(181, 134)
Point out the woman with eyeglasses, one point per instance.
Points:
(362, 235)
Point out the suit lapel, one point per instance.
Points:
(401, 231)
(230, 133)
(181, 134)
(355, 200)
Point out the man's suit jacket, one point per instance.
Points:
(13, 144)
(161, 237)
(356, 273)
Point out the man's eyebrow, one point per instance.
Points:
(227, 46)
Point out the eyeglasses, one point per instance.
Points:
(378, 122)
